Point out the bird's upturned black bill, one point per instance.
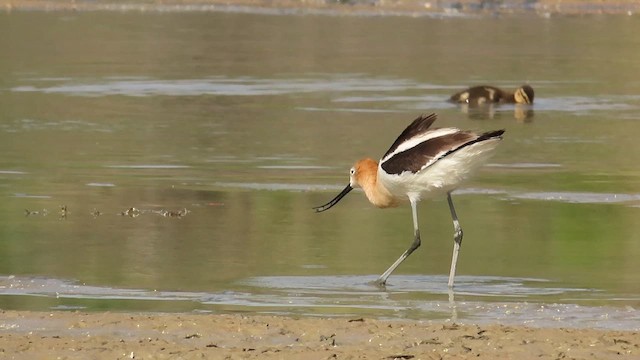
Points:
(335, 200)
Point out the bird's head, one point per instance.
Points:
(524, 95)
(362, 172)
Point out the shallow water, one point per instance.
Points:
(169, 162)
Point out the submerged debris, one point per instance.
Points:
(172, 213)
(63, 212)
(132, 212)
(43, 212)
(135, 212)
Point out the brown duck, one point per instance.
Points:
(483, 94)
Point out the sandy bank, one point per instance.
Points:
(107, 335)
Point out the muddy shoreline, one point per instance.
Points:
(67, 334)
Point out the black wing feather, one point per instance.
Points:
(415, 158)
(418, 126)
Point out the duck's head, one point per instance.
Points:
(524, 95)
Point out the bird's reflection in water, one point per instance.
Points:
(452, 306)
(521, 113)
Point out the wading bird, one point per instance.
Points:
(422, 163)
(484, 94)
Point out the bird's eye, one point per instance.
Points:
(352, 171)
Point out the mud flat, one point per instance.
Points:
(106, 335)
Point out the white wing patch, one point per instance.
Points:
(435, 158)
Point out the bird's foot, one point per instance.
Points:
(381, 283)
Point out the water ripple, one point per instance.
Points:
(578, 197)
(477, 299)
(559, 196)
(221, 86)
(362, 89)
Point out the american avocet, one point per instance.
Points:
(421, 163)
(479, 95)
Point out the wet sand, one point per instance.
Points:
(66, 334)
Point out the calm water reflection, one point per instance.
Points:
(248, 121)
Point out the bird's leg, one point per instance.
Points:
(382, 280)
(457, 240)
